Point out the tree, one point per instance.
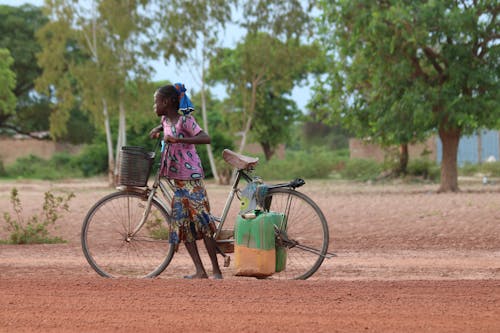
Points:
(7, 85)
(116, 40)
(192, 44)
(17, 34)
(89, 56)
(260, 67)
(274, 119)
(401, 70)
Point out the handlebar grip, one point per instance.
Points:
(298, 182)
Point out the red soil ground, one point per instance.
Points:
(409, 260)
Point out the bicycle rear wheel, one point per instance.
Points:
(306, 229)
(108, 243)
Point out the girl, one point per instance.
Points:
(182, 166)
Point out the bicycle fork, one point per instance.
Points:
(145, 215)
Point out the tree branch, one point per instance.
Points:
(432, 56)
(419, 72)
(18, 131)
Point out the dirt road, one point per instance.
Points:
(409, 260)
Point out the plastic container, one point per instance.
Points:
(135, 166)
(255, 246)
(281, 255)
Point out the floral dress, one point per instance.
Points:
(182, 166)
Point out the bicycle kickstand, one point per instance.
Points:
(227, 259)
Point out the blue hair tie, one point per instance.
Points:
(185, 105)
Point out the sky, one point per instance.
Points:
(171, 71)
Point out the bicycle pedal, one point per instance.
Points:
(227, 260)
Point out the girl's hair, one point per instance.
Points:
(169, 92)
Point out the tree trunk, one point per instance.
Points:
(449, 171)
(268, 150)
(122, 137)
(109, 143)
(479, 147)
(244, 134)
(250, 112)
(403, 159)
(205, 126)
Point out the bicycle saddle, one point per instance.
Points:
(241, 162)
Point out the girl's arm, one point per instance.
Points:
(200, 138)
(155, 132)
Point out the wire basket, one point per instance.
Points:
(135, 166)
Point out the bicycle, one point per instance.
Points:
(124, 233)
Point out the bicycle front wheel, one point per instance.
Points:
(305, 230)
(113, 249)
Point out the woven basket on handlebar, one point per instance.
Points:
(135, 166)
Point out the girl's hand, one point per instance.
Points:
(170, 139)
(155, 133)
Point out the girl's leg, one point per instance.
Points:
(211, 246)
(195, 256)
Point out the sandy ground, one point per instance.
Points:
(409, 260)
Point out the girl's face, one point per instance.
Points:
(160, 105)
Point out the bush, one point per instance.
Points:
(219, 143)
(60, 166)
(491, 169)
(35, 229)
(93, 159)
(425, 168)
(3, 172)
(317, 163)
(469, 169)
(361, 169)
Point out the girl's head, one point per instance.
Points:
(172, 97)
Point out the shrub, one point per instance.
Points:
(34, 167)
(361, 169)
(93, 159)
(34, 230)
(469, 169)
(317, 163)
(3, 172)
(425, 168)
(491, 169)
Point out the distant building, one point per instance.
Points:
(12, 148)
(473, 149)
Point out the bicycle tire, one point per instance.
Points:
(106, 243)
(306, 224)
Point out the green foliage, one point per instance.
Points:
(317, 163)
(273, 122)
(7, 84)
(3, 172)
(491, 169)
(424, 168)
(315, 133)
(61, 165)
(93, 159)
(17, 33)
(220, 141)
(157, 228)
(361, 169)
(34, 230)
(288, 19)
(469, 169)
(401, 69)
(259, 73)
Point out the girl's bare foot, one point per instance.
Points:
(196, 276)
